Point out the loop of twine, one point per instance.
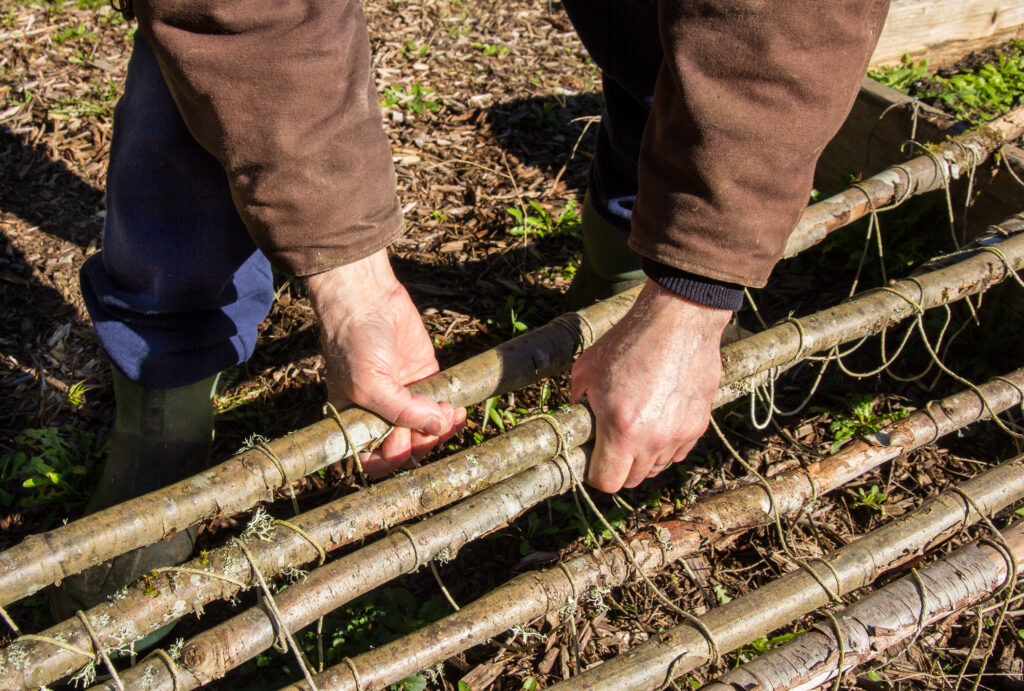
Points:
(279, 464)
(330, 410)
(355, 673)
(275, 613)
(168, 661)
(415, 548)
(100, 650)
(569, 322)
(320, 551)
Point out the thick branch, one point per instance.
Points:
(880, 621)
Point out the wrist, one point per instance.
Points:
(369, 278)
(675, 309)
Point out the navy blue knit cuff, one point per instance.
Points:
(700, 289)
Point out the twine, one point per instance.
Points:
(275, 614)
(415, 548)
(329, 409)
(100, 650)
(355, 673)
(279, 464)
(320, 551)
(168, 661)
(581, 340)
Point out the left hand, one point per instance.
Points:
(650, 381)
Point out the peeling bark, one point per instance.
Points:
(878, 622)
(682, 649)
(538, 593)
(921, 174)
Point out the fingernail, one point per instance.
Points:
(435, 426)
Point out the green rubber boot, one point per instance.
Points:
(608, 265)
(160, 436)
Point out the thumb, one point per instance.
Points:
(395, 403)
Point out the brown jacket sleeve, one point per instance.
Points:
(749, 93)
(281, 93)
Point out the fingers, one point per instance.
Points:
(395, 403)
(403, 444)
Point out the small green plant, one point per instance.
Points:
(52, 464)
(542, 223)
(417, 682)
(721, 594)
(412, 51)
(873, 499)
(75, 395)
(502, 419)
(861, 420)
(762, 645)
(976, 95)
(490, 49)
(74, 32)
(529, 684)
(418, 99)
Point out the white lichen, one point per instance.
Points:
(261, 526)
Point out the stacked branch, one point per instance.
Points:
(714, 517)
(211, 654)
(679, 650)
(253, 475)
(226, 570)
(889, 617)
(934, 169)
(242, 481)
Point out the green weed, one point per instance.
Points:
(51, 466)
(762, 645)
(873, 499)
(490, 49)
(976, 96)
(862, 419)
(542, 223)
(418, 99)
(412, 51)
(75, 395)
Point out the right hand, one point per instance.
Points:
(375, 345)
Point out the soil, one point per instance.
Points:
(518, 107)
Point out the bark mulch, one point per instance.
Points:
(488, 109)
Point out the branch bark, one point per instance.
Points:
(880, 621)
(683, 648)
(925, 173)
(535, 594)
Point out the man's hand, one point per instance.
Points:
(375, 345)
(649, 382)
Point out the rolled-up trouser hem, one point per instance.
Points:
(180, 288)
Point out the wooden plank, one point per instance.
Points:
(946, 29)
